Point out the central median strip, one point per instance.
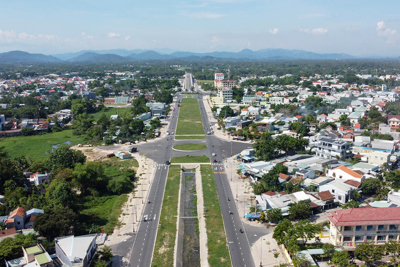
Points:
(190, 147)
(216, 237)
(190, 124)
(191, 159)
(166, 235)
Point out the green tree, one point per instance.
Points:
(341, 258)
(274, 215)
(369, 253)
(137, 127)
(90, 177)
(299, 210)
(393, 178)
(356, 195)
(226, 112)
(64, 157)
(351, 204)
(370, 185)
(54, 223)
(120, 185)
(329, 250)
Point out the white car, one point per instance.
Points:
(213, 154)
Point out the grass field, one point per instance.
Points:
(218, 254)
(36, 146)
(165, 242)
(109, 112)
(101, 212)
(191, 159)
(189, 137)
(189, 117)
(190, 147)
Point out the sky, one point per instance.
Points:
(356, 27)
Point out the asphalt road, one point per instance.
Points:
(141, 252)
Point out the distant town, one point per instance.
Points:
(200, 164)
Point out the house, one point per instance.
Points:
(305, 174)
(351, 227)
(243, 124)
(231, 122)
(39, 178)
(355, 117)
(386, 129)
(22, 219)
(76, 250)
(253, 111)
(327, 198)
(16, 219)
(34, 255)
(329, 148)
(394, 121)
(341, 191)
(343, 173)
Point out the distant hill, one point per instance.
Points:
(14, 57)
(91, 57)
(122, 55)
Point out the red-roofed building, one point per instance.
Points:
(350, 227)
(19, 217)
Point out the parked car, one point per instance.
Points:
(167, 162)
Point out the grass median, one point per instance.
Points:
(189, 120)
(216, 237)
(189, 137)
(191, 159)
(190, 147)
(166, 235)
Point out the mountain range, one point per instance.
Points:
(121, 55)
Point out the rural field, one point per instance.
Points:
(216, 238)
(190, 147)
(189, 120)
(165, 242)
(36, 146)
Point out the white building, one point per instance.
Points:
(343, 174)
(219, 76)
(341, 191)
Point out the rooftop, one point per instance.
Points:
(365, 216)
(349, 171)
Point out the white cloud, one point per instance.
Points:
(24, 35)
(204, 15)
(316, 31)
(216, 39)
(7, 35)
(84, 35)
(273, 31)
(391, 35)
(48, 37)
(380, 25)
(127, 38)
(113, 35)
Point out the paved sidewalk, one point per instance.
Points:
(266, 252)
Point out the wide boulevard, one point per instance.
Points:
(139, 247)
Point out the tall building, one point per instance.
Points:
(219, 76)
